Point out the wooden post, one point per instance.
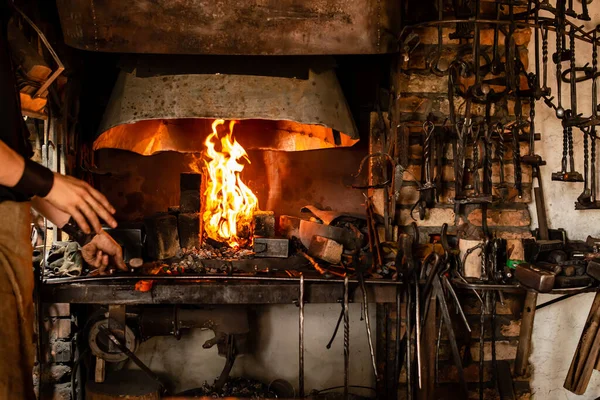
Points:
(524, 348)
(586, 356)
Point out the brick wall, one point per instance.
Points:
(54, 381)
(420, 94)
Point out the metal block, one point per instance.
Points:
(535, 278)
(189, 230)
(593, 270)
(264, 224)
(289, 226)
(189, 198)
(326, 249)
(162, 236)
(268, 247)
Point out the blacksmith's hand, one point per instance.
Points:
(81, 201)
(103, 251)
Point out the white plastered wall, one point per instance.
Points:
(557, 328)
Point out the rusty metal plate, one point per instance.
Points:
(261, 27)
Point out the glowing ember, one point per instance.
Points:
(228, 203)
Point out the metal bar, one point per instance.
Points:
(301, 339)
(437, 287)
(190, 277)
(517, 287)
(116, 323)
(368, 324)
(556, 300)
(346, 340)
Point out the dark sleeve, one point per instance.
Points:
(13, 130)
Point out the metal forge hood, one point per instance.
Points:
(299, 107)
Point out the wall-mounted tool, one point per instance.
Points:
(427, 189)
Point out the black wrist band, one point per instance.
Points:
(74, 231)
(37, 180)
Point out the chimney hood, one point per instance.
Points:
(300, 107)
(240, 27)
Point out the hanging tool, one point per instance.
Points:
(481, 190)
(427, 188)
(517, 159)
(501, 186)
(497, 66)
(571, 11)
(440, 141)
(346, 339)
(569, 175)
(359, 267)
(560, 55)
(436, 64)
(545, 89)
(587, 199)
(584, 16)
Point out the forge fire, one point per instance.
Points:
(229, 204)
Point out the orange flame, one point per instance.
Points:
(229, 203)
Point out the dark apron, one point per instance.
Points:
(16, 302)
